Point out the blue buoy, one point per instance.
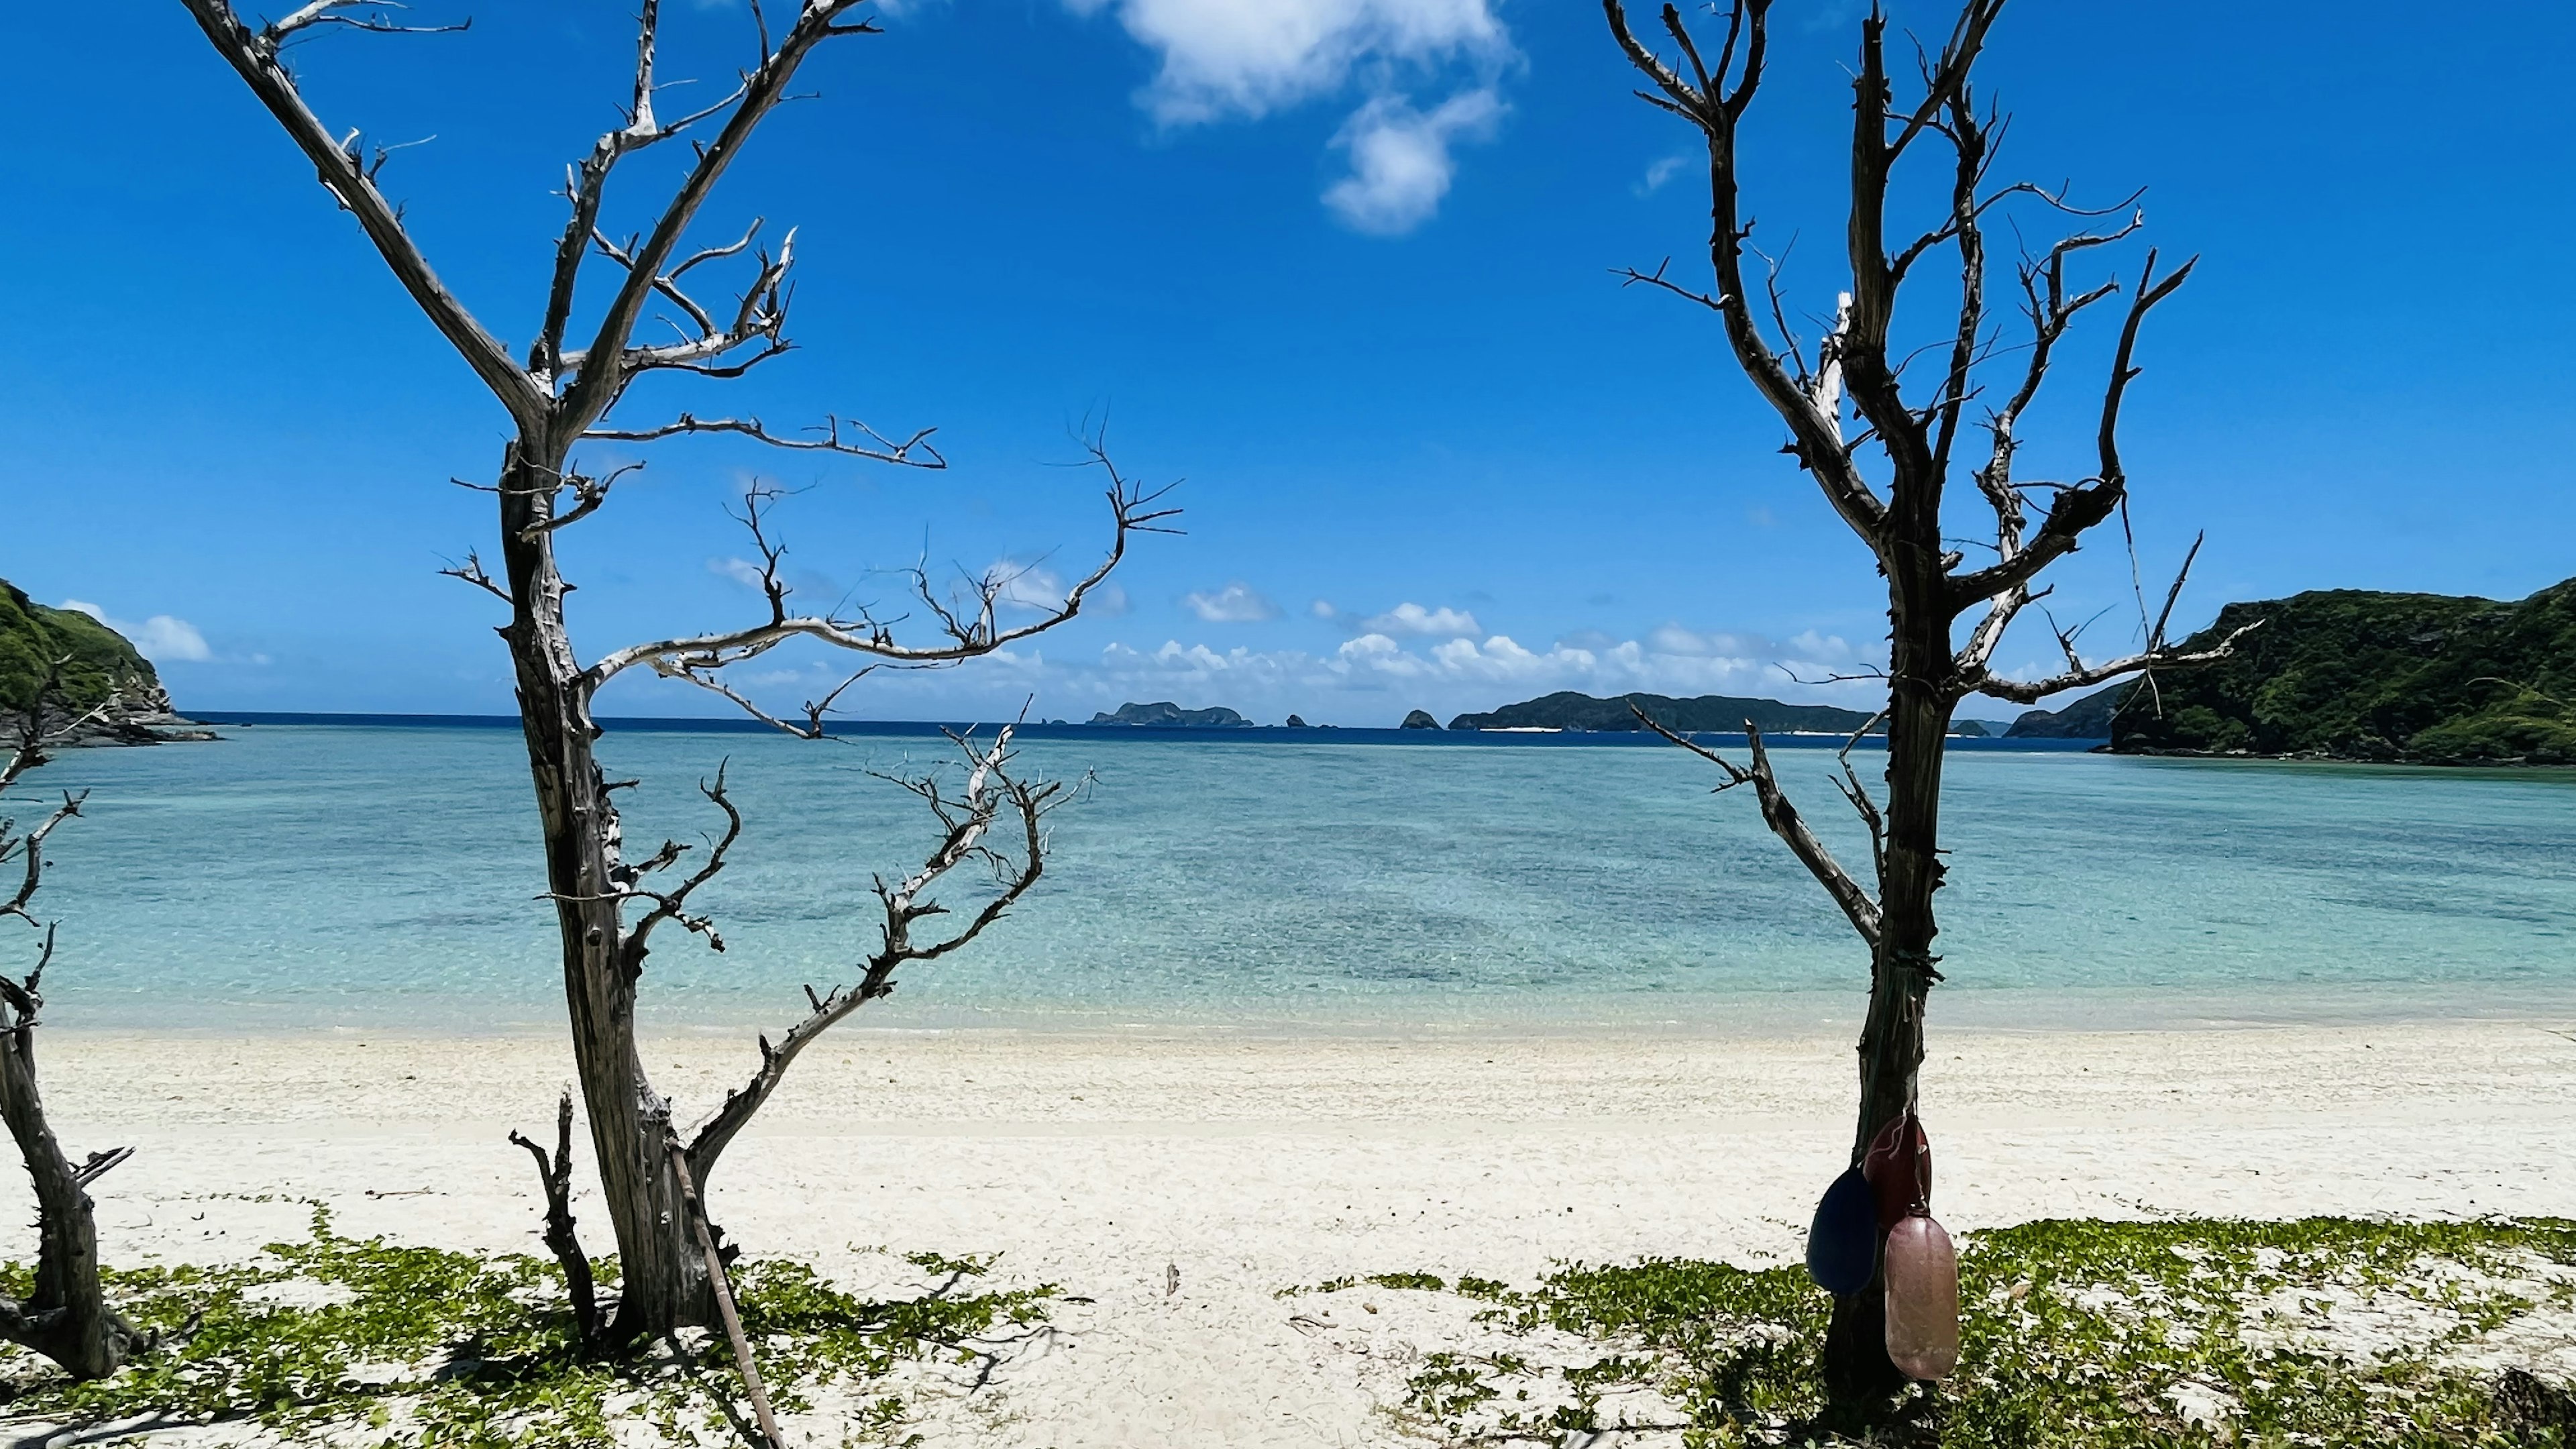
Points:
(1842, 1245)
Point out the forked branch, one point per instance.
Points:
(992, 799)
(554, 1178)
(1858, 905)
(970, 629)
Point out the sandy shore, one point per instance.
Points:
(1106, 1163)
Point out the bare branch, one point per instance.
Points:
(254, 55)
(606, 364)
(1783, 818)
(588, 494)
(1858, 795)
(865, 442)
(2081, 508)
(555, 1180)
(672, 905)
(2079, 676)
(971, 633)
(966, 820)
(471, 571)
(1816, 437)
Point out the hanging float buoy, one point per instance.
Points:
(1898, 1165)
(1921, 1270)
(1842, 1243)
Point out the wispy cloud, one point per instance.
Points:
(1663, 169)
(163, 638)
(1236, 603)
(741, 570)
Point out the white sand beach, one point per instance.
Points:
(1117, 1164)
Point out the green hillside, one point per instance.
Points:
(1707, 714)
(100, 662)
(2366, 676)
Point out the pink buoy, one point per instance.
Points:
(1921, 1270)
(1898, 1165)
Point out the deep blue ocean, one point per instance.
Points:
(385, 876)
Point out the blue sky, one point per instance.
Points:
(1341, 264)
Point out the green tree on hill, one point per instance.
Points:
(2372, 676)
(97, 662)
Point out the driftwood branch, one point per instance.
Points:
(722, 1282)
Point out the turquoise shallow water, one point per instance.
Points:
(299, 876)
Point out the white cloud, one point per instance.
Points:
(1468, 674)
(1400, 161)
(163, 638)
(741, 570)
(1248, 58)
(1411, 618)
(1236, 603)
(1663, 169)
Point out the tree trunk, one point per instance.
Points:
(1858, 1375)
(662, 1278)
(67, 1318)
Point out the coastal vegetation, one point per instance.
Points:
(93, 680)
(2349, 674)
(1881, 452)
(2077, 1335)
(350, 1341)
(1705, 714)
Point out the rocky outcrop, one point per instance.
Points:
(1420, 719)
(1164, 714)
(97, 676)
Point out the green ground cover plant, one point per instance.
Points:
(2076, 1335)
(361, 1341)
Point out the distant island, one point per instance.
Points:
(1707, 714)
(1166, 715)
(2346, 674)
(100, 671)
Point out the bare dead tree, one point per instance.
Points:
(67, 1318)
(1894, 501)
(560, 395)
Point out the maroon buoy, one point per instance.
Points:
(1899, 1168)
(1921, 1271)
